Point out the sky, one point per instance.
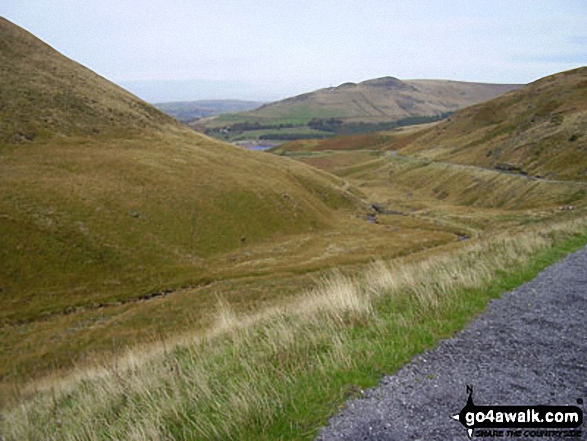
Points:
(264, 50)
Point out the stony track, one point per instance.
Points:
(528, 348)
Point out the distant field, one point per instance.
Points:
(231, 127)
(299, 115)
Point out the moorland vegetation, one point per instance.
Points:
(160, 284)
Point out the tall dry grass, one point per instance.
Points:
(246, 370)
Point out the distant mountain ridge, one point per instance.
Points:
(389, 98)
(538, 131)
(371, 105)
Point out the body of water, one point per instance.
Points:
(257, 145)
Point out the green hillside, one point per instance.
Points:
(104, 198)
(539, 130)
(159, 284)
(45, 95)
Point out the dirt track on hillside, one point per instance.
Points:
(528, 348)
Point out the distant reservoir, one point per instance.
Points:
(252, 144)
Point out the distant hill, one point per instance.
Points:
(372, 105)
(189, 111)
(384, 99)
(539, 130)
(104, 198)
(524, 150)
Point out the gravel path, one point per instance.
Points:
(528, 348)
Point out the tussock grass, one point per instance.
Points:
(278, 373)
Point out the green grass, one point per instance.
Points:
(281, 373)
(296, 114)
(300, 118)
(375, 350)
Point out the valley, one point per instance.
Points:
(141, 259)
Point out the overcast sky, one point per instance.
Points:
(166, 50)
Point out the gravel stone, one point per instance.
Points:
(529, 347)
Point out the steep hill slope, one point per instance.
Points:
(44, 94)
(105, 198)
(539, 130)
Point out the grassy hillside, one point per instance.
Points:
(281, 373)
(476, 169)
(372, 105)
(103, 197)
(539, 130)
(120, 228)
(119, 225)
(188, 111)
(45, 95)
